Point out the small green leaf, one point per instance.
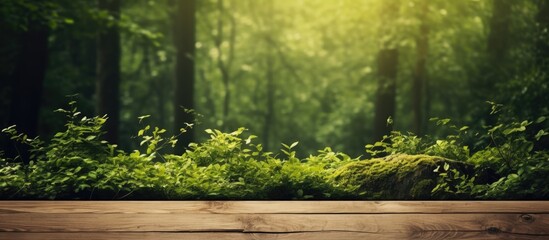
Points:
(173, 142)
(69, 21)
(389, 121)
(443, 121)
(143, 117)
(293, 145)
(89, 138)
(540, 134)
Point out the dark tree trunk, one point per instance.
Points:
(497, 48)
(542, 44)
(270, 87)
(28, 79)
(386, 92)
(184, 71)
(498, 39)
(542, 62)
(420, 71)
(270, 91)
(108, 71)
(387, 61)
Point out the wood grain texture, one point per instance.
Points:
(257, 236)
(274, 207)
(274, 220)
(272, 223)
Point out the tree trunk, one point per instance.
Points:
(225, 66)
(498, 39)
(420, 71)
(108, 71)
(497, 48)
(541, 58)
(270, 91)
(386, 92)
(387, 62)
(270, 88)
(184, 71)
(28, 78)
(542, 44)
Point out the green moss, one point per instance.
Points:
(398, 176)
(422, 189)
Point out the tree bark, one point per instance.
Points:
(497, 48)
(28, 77)
(386, 92)
(184, 71)
(270, 87)
(270, 91)
(498, 38)
(225, 66)
(542, 43)
(420, 70)
(387, 62)
(108, 71)
(542, 61)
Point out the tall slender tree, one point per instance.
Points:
(387, 62)
(270, 86)
(497, 48)
(108, 70)
(420, 70)
(542, 43)
(184, 70)
(542, 61)
(225, 59)
(28, 82)
(498, 38)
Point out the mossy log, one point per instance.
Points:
(398, 176)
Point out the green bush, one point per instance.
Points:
(77, 164)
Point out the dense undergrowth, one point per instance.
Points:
(504, 161)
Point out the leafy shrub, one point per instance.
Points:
(77, 164)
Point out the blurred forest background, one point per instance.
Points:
(324, 73)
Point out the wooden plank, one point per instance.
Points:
(535, 224)
(274, 220)
(273, 207)
(250, 236)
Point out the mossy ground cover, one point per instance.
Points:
(397, 176)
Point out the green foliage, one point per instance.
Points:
(12, 178)
(451, 146)
(76, 164)
(512, 156)
(507, 166)
(22, 14)
(507, 163)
